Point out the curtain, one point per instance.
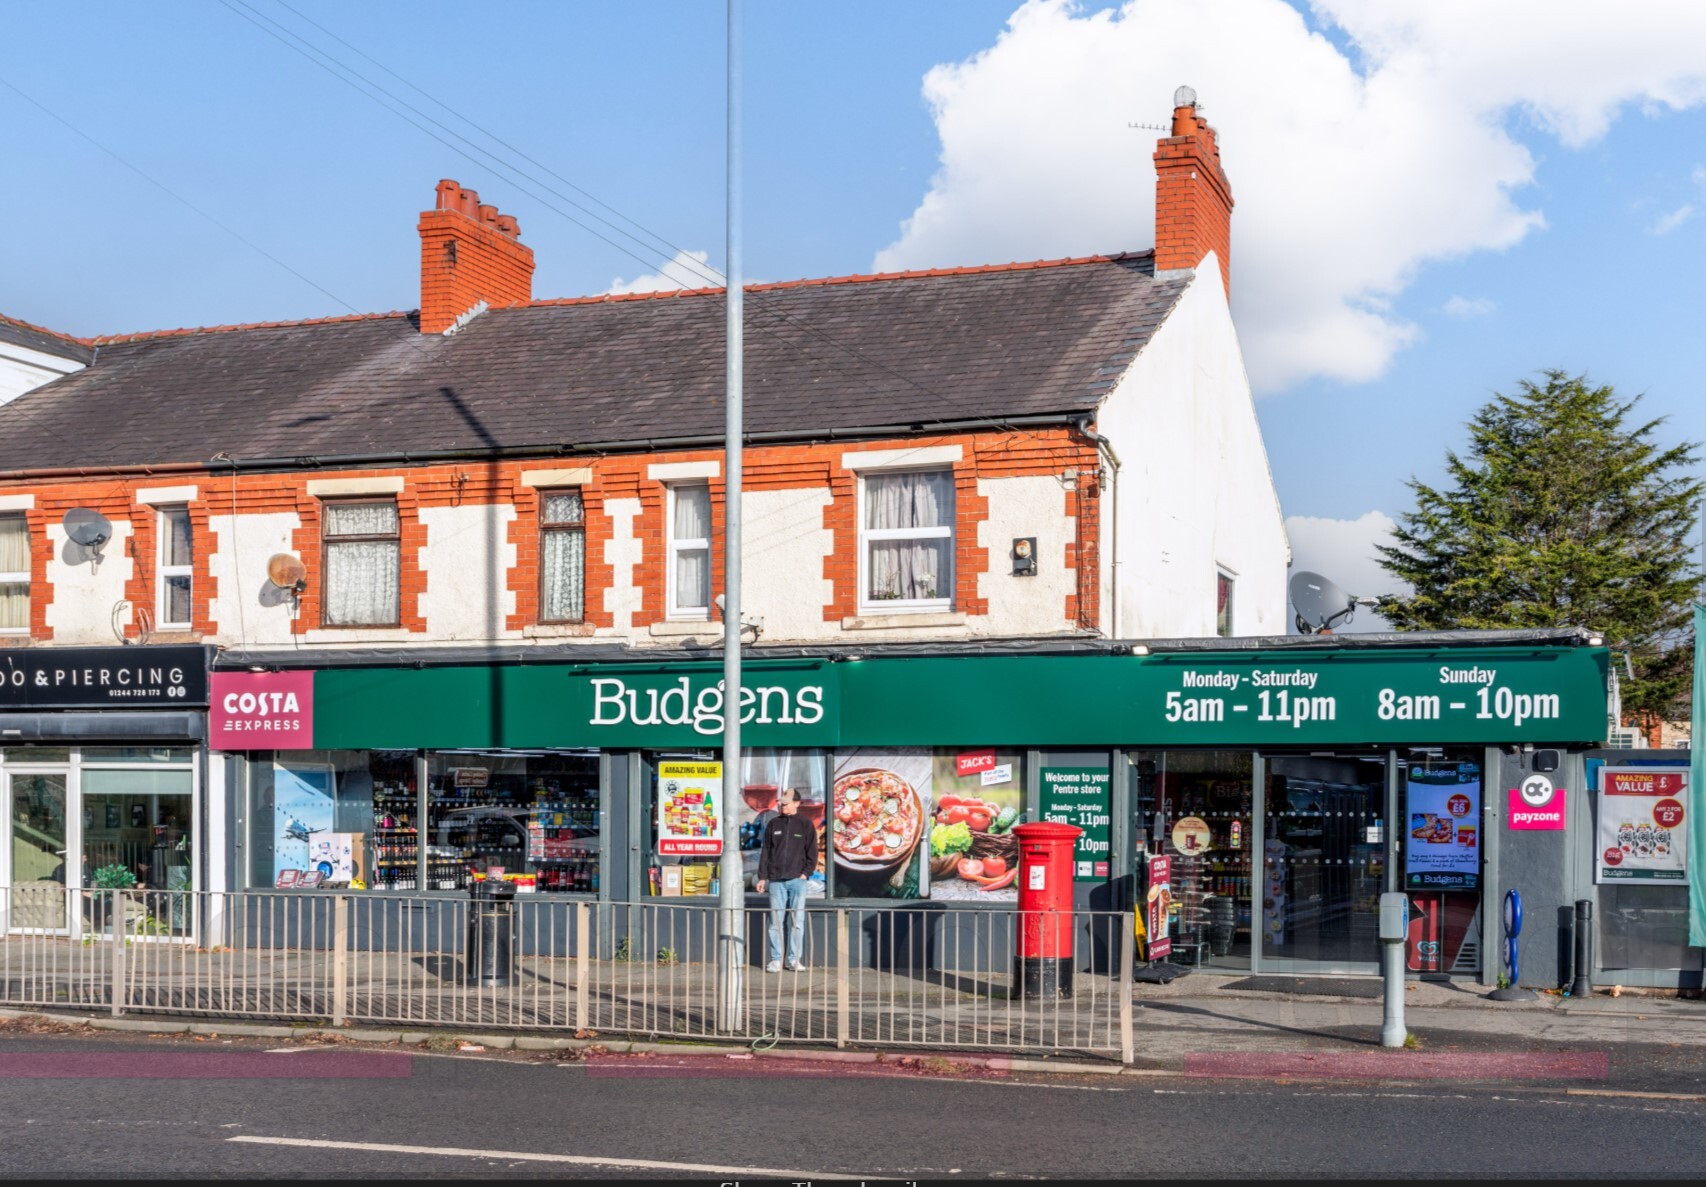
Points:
(179, 548)
(363, 585)
(15, 559)
(919, 569)
(564, 558)
(692, 562)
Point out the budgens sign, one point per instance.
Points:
(618, 702)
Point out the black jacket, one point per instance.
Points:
(790, 849)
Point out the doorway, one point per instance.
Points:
(1326, 852)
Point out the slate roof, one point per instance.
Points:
(22, 333)
(821, 356)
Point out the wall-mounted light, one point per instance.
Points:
(1025, 556)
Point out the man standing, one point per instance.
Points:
(787, 858)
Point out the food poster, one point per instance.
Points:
(1442, 850)
(302, 814)
(690, 798)
(881, 800)
(979, 797)
(1641, 834)
(1081, 796)
(763, 774)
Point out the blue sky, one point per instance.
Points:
(1433, 202)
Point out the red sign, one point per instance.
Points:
(974, 762)
(1647, 783)
(261, 711)
(1458, 805)
(1667, 813)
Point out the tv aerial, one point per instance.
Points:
(86, 532)
(1321, 605)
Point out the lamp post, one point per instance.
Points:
(731, 901)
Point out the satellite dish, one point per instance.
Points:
(1320, 604)
(287, 572)
(89, 531)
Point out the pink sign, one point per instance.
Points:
(1537, 806)
(262, 711)
(973, 762)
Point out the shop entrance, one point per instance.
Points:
(1324, 862)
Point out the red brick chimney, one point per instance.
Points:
(1193, 199)
(469, 253)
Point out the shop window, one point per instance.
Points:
(689, 575)
(142, 820)
(562, 556)
(977, 796)
(363, 555)
(906, 541)
(175, 567)
(763, 775)
(14, 574)
(334, 817)
(685, 822)
(1223, 604)
(529, 818)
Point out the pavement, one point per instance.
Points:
(1200, 1025)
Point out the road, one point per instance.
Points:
(118, 1107)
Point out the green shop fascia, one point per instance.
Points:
(428, 771)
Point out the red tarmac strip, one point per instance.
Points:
(1400, 1065)
(717, 1067)
(203, 1065)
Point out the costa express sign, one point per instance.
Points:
(136, 677)
(262, 711)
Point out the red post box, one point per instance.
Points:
(1042, 966)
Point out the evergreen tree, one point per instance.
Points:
(1562, 513)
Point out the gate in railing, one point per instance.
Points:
(917, 976)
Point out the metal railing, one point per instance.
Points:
(918, 975)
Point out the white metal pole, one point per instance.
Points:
(732, 900)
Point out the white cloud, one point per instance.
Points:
(1350, 173)
(688, 270)
(1342, 550)
(1468, 308)
(1670, 222)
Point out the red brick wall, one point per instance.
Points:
(992, 454)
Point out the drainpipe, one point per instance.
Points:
(1106, 448)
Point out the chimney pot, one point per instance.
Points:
(488, 214)
(448, 190)
(508, 225)
(468, 202)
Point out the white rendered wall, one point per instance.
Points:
(784, 546)
(1195, 491)
(83, 595)
(1019, 508)
(467, 557)
(23, 369)
(239, 570)
(622, 553)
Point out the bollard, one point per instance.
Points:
(1394, 925)
(491, 935)
(1582, 986)
(1512, 992)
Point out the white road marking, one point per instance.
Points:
(643, 1164)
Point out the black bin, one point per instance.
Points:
(490, 956)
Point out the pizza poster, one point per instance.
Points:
(1641, 836)
(1442, 850)
(690, 799)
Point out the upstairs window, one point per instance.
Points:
(690, 551)
(363, 554)
(1223, 582)
(562, 556)
(906, 541)
(175, 567)
(14, 574)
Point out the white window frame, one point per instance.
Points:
(23, 578)
(868, 536)
(674, 547)
(1231, 578)
(162, 570)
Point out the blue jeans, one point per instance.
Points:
(789, 896)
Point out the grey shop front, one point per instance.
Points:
(1291, 780)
